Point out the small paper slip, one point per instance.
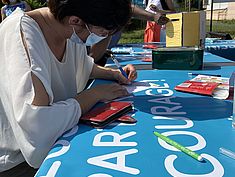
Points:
(217, 87)
(140, 86)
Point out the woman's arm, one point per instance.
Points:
(88, 98)
(145, 15)
(114, 74)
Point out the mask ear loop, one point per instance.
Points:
(74, 30)
(88, 28)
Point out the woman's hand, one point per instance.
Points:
(114, 74)
(131, 73)
(107, 92)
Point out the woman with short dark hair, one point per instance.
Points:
(44, 69)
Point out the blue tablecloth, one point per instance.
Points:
(223, 48)
(125, 150)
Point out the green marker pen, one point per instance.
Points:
(179, 146)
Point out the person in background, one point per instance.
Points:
(11, 5)
(98, 50)
(153, 31)
(44, 70)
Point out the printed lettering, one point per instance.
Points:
(189, 123)
(166, 110)
(218, 168)
(161, 92)
(119, 166)
(116, 139)
(164, 100)
(53, 169)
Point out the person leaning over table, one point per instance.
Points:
(44, 69)
(98, 50)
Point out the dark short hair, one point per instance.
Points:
(109, 14)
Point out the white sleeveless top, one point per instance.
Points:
(28, 132)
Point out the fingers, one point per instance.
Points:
(131, 71)
(122, 79)
(121, 93)
(117, 90)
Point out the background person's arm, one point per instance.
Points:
(142, 14)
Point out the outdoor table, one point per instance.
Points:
(200, 123)
(223, 48)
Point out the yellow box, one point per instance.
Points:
(186, 29)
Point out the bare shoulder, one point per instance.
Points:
(37, 14)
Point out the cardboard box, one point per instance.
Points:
(182, 58)
(186, 29)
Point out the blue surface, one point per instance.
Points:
(223, 48)
(198, 122)
(137, 53)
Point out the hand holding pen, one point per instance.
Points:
(131, 71)
(128, 71)
(118, 65)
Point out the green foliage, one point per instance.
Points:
(223, 26)
(35, 4)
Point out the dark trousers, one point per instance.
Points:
(21, 170)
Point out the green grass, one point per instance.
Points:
(137, 36)
(226, 26)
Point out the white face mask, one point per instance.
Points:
(75, 38)
(93, 38)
